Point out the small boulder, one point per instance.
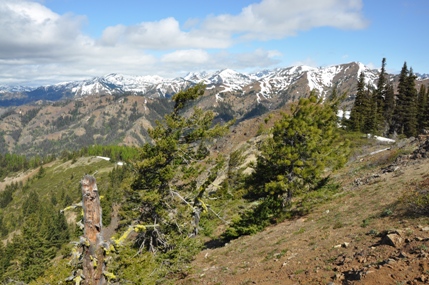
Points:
(393, 239)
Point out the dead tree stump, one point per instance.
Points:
(93, 253)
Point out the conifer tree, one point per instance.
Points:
(426, 112)
(165, 189)
(360, 108)
(410, 124)
(3, 260)
(372, 117)
(380, 97)
(401, 101)
(389, 107)
(303, 144)
(422, 103)
(406, 109)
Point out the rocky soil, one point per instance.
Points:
(364, 235)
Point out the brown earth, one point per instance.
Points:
(363, 235)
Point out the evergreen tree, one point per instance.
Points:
(372, 118)
(36, 252)
(31, 204)
(401, 101)
(3, 261)
(360, 109)
(380, 98)
(426, 112)
(410, 124)
(422, 102)
(165, 189)
(30, 251)
(389, 107)
(303, 144)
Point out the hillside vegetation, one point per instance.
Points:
(293, 196)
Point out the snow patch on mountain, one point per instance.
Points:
(14, 89)
(266, 83)
(370, 76)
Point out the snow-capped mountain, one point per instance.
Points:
(117, 83)
(14, 89)
(422, 76)
(291, 81)
(104, 119)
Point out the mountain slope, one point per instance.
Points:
(269, 82)
(118, 109)
(361, 234)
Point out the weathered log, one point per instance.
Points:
(93, 253)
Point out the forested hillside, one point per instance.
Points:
(196, 182)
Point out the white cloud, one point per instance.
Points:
(39, 45)
(190, 56)
(162, 35)
(276, 19)
(30, 30)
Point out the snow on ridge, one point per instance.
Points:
(370, 76)
(17, 88)
(269, 81)
(322, 78)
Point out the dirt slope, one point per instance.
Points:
(362, 236)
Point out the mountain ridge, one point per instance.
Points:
(119, 109)
(155, 86)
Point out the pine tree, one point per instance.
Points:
(303, 144)
(165, 189)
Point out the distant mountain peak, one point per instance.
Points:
(268, 82)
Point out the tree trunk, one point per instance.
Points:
(93, 254)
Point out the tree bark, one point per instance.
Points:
(93, 253)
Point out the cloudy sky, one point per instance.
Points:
(51, 41)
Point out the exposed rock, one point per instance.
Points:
(390, 168)
(373, 178)
(423, 149)
(393, 239)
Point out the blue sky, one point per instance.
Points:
(51, 41)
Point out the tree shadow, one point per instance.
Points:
(215, 243)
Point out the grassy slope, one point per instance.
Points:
(301, 250)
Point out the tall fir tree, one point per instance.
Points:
(400, 106)
(360, 108)
(372, 117)
(380, 98)
(410, 124)
(389, 107)
(422, 103)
